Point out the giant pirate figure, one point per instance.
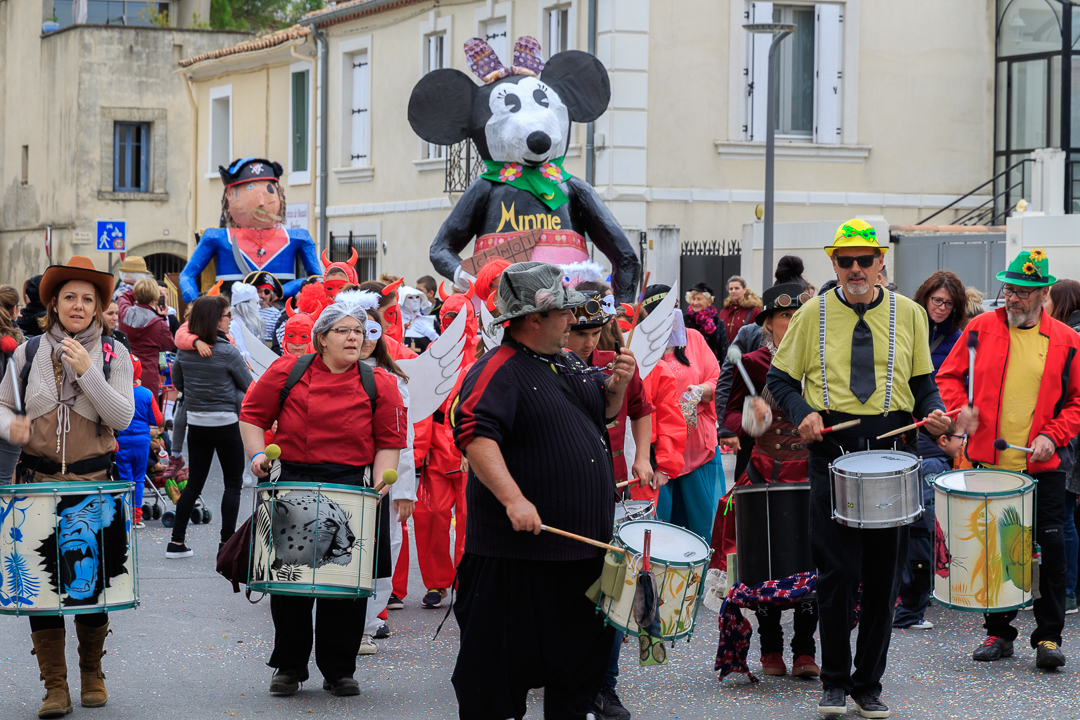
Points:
(253, 210)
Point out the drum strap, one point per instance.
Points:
(892, 350)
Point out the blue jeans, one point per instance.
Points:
(132, 458)
(1072, 544)
(611, 675)
(690, 500)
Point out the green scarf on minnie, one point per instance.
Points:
(543, 181)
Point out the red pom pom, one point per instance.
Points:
(8, 344)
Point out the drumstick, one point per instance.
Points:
(627, 482)
(637, 310)
(912, 426)
(581, 538)
(1000, 444)
(842, 426)
(734, 354)
(272, 453)
(972, 342)
(389, 477)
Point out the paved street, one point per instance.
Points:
(195, 650)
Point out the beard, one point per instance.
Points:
(1018, 317)
(857, 287)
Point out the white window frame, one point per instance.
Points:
(737, 49)
(302, 177)
(544, 24)
(434, 24)
(348, 51)
(493, 12)
(216, 93)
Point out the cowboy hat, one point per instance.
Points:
(77, 268)
(134, 264)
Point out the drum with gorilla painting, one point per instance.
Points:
(67, 548)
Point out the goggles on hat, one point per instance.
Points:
(848, 261)
(592, 311)
(784, 301)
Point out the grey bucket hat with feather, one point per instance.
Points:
(533, 287)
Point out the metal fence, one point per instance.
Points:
(711, 261)
(367, 252)
(463, 165)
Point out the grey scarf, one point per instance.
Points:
(69, 385)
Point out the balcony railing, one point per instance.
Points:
(463, 165)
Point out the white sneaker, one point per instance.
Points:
(367, 646)
(140, 525)
(921, 625)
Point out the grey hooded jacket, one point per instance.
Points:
(213, 384)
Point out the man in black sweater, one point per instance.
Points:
(531, 420)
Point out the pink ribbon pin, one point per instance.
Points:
(109, 354)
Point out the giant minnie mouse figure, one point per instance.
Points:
(519, 120)
(253, 210)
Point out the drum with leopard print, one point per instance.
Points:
(314, 539)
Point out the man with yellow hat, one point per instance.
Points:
(1033, 360)
(864, 354)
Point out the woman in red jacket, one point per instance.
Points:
(147, 331)
(328, 431)
(740, 308)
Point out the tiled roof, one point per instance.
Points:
(343, 11)
(267, 41)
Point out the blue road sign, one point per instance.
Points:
(111, 235)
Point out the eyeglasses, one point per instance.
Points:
(344, 331)
(847, 261)
(938, 302)
(787, 301)
(228, 314)
(1022, 294)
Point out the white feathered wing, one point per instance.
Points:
(433, 374)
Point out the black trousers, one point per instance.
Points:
(527, 624)
(339, 626)
(56, 622)
(203, 442)
(772, 635)
(1049, 608)
(846, 556)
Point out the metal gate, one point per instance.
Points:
(975, 257)
(712, 261)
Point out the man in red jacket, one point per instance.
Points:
(1031, 359)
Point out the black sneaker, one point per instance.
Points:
(1048, 656)
(395, 603)
(994, 648)
(833, 701)
(285, 682)
(870, 706)
(433, 599)
(609, 706)
(383, 632)
(342, 687)
(178, 550)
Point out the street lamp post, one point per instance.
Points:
(779, 31)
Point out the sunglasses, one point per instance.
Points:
(228, 314)
(847, 261)
(787, 301)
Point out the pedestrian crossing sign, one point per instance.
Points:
(111, 235)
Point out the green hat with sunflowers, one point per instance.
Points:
(1029, 269)
(855, 233)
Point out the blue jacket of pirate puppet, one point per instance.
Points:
(253, 209)
(520, 120)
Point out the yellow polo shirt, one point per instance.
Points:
(1023, 375)
(799, 355)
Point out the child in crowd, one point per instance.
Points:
(938, 453)
(133, 444)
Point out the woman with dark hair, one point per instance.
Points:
(943, 297)
(331, 431)
(34, 310)
(690, 499)
(67, 434)
(9, 313)
(790, 269)
(740, 308)
(702, 315)
(213, 389)
(1063, 303)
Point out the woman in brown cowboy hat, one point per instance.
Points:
(78, 392)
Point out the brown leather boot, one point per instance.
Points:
(49, 649)
(91, 650)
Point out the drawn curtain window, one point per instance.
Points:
(131, 156)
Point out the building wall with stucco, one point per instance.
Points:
(60, 95)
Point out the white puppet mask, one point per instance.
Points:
(529, 122)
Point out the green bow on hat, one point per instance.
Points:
(1029, 269)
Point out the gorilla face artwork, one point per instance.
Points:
(89, 547)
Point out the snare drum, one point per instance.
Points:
(634, 510)
(67, 548)
(313, 539)
(987, 526)
(679, 559)
(876, 489)
(772, 531)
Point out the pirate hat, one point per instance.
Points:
(249, 169)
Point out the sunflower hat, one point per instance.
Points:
(1030, 268)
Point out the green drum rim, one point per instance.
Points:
(69, 488)
(72, 611)
(336, 591)
(968, 608)
(358, 489)
(1015, 492)
(708, 548)
(637, 633)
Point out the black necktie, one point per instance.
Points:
(863, 373)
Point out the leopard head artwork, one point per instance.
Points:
(311, 530)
